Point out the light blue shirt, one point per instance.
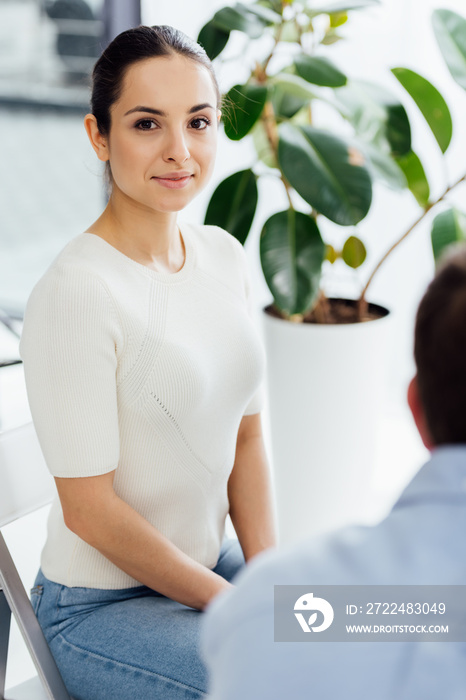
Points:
(421, 541)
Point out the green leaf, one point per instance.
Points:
(289, 32)
(286, 105)
(292, 252)
(264, 151)
(275, 5)
(354, 252)
(267, 15)
(233, 204)
(330, 254)
(416, 177)
(243, 107)
(448, 228)
(329, 173)
(330, 38)
(430, 102)
(239, 18)
(213, 39)
(338, 19)
(319, 71)
(384, 167)
(376, 114)
(332, 8)
(293, 85)
(450, 32)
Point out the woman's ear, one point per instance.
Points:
(219, 115)
(98, 142)
(417, 409)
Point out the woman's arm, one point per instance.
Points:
(250, 492)
(94, 512)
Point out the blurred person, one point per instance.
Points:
(420, 542)
(143, 370)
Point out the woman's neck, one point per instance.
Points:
(151, 238)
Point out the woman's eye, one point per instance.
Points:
(146, 124)
(200, 123)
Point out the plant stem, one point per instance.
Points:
(321, 310)
(268, 115)
(431, 205)
(277, 40)
(271, 130)
(288, 193)
(270, 126)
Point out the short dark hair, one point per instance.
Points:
(130, 47)
(440, 350)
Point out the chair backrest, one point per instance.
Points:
(25, 486)
(25, 482)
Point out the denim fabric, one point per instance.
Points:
(126, 644)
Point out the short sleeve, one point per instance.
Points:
(256, 404)
(69, 345)
(257, 401)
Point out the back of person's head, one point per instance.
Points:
(440, 350)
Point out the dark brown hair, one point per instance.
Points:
(440, 350)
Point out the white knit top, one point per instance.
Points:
(148, 373)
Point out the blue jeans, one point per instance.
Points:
(126, 644)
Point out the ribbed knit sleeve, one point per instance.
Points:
(257, 401)
(69, 346)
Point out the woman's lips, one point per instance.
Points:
(173, 182)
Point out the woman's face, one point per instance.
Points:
(163, 134)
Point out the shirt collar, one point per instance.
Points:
(443, 475)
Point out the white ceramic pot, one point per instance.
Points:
(325, 388)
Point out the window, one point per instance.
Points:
(50, 180)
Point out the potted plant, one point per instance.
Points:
(323, 399)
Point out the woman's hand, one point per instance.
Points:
(94, 512)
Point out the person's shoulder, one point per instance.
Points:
(86, 252)
(73, 266)
(400, 549)
(214, 238)
(221, 255)
(70, 296)
(72, 284)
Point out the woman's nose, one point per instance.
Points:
(176, 149)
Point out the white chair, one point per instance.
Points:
(25, 486)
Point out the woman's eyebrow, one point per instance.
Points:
(160, 113)
(197, 108)
(150, 110)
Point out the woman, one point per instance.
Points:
(143, 372)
